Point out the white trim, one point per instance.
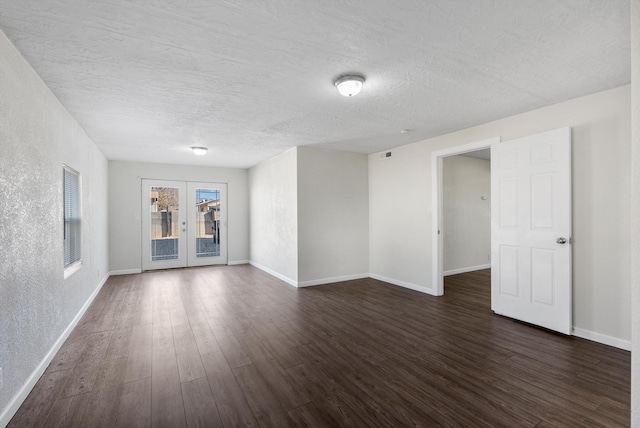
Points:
(332, 280)
(125, 272)
(238, 262)
(72, 268)
(436, 204)
(274, 273)
(22, 394)
(602, 338)
(466, 269)
(404, 284)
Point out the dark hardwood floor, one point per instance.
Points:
(232, 346)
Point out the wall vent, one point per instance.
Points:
(385, 155)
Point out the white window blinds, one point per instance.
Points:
(71, 216)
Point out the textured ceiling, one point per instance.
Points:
(147, 79)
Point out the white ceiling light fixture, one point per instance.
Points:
(349, 85)
(199, 151)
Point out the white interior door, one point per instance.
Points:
(531, 229)
(183, 224)
(164, 230)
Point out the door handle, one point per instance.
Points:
(561, 240)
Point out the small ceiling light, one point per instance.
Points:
(199, 151)
(349, 85)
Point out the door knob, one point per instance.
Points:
(561, 240)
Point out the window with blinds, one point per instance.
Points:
(72, 220)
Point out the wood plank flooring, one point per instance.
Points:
(231, 346)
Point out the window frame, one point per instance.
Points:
(70, 217)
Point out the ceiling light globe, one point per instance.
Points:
(199, 151)
(349, 86)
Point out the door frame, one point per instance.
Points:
(437, 205)
(184, 258)
(223, 258)
(145, 251)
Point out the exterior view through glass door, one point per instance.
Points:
(207, 221)
(183, 224)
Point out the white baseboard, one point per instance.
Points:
(465, 270)
(403, 284)
(602, 338)
(22, 394)
(332, 280)
(274, 273)
(238, 262)
(125, 272)
(311, 282)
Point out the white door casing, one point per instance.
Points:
(531, 229)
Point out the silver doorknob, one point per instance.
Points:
(184, 229)
(561, 240)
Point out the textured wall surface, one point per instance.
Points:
(38, 136)
(333, 214)
(601, 125)
(466, 217)
(125, 235)
(274, 215)
(635, 210)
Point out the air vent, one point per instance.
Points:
(385, 155)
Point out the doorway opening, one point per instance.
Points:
(183, 224)
(466, 209)
(438, 159)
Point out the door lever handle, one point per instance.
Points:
(561, 240)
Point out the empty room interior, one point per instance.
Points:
(366, 213)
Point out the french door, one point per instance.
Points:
(183, 224)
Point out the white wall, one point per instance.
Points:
(400, 217)
(466, 231)
(635, 210)
(37, 305)
(125, 233)
(401, 250)
(333, 216)
(274, 216)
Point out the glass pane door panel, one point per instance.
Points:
(183, 224)
(165, 223)
(207, 221)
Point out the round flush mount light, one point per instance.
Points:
(199, 151)
(349, 85)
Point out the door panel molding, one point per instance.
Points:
(543, 217)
